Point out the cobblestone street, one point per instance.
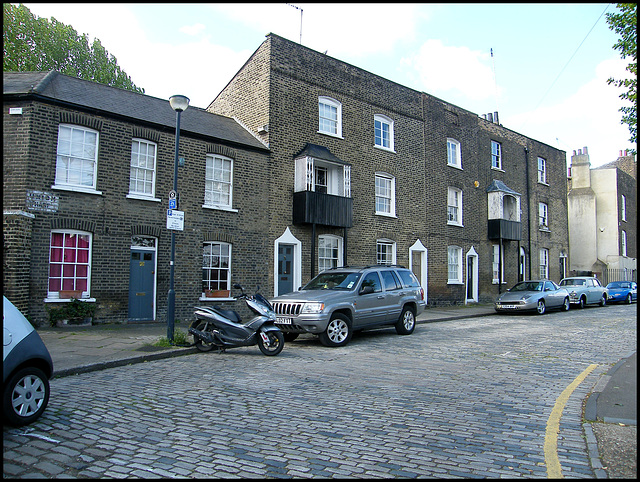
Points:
(467, 398)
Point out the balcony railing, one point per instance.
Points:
(311, 207)
(503, 229)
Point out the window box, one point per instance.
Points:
(68, 294)
(217, 293)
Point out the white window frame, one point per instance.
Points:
(544, 263)
(324, 121)
(497, 266)
(623, 207)
(543, 216)
(496, 155)
(139, 166)
(69, 269)
(623, 242)
(329, 252)
(454, 157)
(542, 170)
(80, 155)
(215, 183)
(454, 265)
(222, 284)
(454, 206)
(385, 252)
(385, 193)
(379, 139)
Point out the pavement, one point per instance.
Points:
(610, 424)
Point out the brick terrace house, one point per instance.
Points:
(364, 171)
(87, 171)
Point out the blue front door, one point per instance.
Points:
(141, 285)
(285, 269)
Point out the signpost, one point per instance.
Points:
(175, 220)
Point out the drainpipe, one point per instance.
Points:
(526, 171)
(313, 250)
(344, 248)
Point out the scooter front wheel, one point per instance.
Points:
(199, 342)
(275, 345)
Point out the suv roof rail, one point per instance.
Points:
(373, 266)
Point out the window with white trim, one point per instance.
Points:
(623, 207)
(385, 251)
(544, 263)
(77, 157)
(218, 182)
(385, 194)
(496, 155)
(542, 170)
(216, 266)
(497, 265)
(142, 177)
(383, 132)
(330, 116)
(543, 216)
(623, 242)
(454, 264)
(69, 262)
(329, 252)
(454, 206)
(453, 153)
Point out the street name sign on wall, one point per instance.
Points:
(175, 220)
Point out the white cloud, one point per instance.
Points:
(446, 70)
(192, 30)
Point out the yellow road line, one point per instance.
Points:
(554, 471)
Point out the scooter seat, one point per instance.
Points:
(230, 315)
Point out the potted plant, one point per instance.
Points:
(217, 293)
(74, 312)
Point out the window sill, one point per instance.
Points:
(86, 190)
(454, 282)
(140, 197)
(68, 300)
(449, 223)
(220, 208)
(544, 229)
(206, 298)
(387, 215)
(338, 136)
(543, 183)
(493, 168)
(455, 166)
(382, 148)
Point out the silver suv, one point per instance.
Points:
(342, 300)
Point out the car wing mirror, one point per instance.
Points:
(365, 290)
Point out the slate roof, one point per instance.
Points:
(500, 186)
(87, 95)
(319, 152)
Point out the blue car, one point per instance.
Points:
(622, 291)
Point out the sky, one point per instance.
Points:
(542, 67)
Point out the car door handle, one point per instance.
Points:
(381, 297)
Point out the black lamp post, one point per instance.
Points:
(178, 103)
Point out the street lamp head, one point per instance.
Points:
(179, 103)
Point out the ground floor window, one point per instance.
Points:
(454, 257)
(69, 264)
(329, 252)
(544, 263)
(216, 268)
(385, 252)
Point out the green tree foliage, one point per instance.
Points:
(33, 43)
(624, 24)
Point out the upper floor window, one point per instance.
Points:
(216, 266)
(498, 264)
(623, 207)
(543, 216)
(542, 170)
(544, 263)
(329, 252)
(314, 174)
(77, 157)
(218, 182)
(496, 155)
(385, 251)
(623, 242)
(142, 177)
(454, 206)
(454, 264)
(322, 179)
(330, 116)
(385, 194)
(69, 262)
(383, 132)
(453, 153)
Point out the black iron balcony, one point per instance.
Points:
(503, 229)
(311, 207)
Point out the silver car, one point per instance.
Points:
(585, 290)
(538, 295)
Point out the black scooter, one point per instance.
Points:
(215, 327)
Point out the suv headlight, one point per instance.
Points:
(315, 307)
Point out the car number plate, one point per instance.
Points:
(509, 307)
(284, 321)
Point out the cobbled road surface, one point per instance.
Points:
(464, 398)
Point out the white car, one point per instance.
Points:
(26, 368)
(585, 290)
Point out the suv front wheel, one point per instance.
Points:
(338, 332)
(407, 322)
